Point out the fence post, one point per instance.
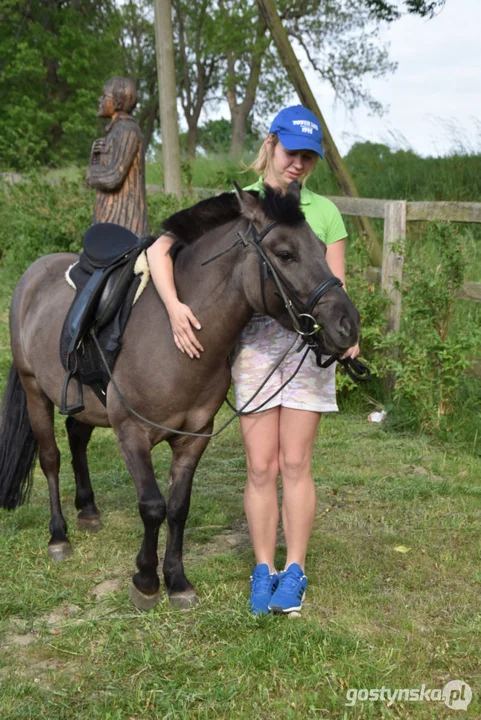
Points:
(392, 261)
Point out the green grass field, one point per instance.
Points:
(394, 562)
(393, 600)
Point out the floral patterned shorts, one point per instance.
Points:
(259, 347)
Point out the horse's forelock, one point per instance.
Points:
(284, 208)
(190, 224)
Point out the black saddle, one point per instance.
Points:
(106, 285)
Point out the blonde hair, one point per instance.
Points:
(263, 161)
(264, 157)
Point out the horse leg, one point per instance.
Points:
(40, 412)
(79, 434)
(186, 455)
(135, 448)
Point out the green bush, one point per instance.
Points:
(39, 217)
(372, 305)
(439, 335)
(431, 353)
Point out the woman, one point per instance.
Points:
(279, 439)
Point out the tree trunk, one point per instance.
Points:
(146, 121)
(239, 111)
(192, 138)
(238, 125)
(168, 97)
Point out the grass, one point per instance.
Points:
(394, 560)
(393, 597)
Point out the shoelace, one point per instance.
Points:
(289, 580)
(261, 584)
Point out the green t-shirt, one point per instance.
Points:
(321, 214)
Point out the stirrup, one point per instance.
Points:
(78, 405)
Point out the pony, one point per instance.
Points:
(228, 243)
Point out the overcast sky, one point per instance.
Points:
(433, 98)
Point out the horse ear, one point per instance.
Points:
(294, 190)
(248, 203)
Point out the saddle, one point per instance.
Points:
(106, 285)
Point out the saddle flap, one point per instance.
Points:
(114, 292)
(104, 243)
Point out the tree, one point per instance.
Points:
(199, 50)
(340, 39)
(389, 11)
(55, 56)
(215, 136)
(245, 47)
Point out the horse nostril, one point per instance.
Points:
(345, 326)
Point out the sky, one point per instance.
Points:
(433, 99)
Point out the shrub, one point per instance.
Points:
(38, 217)
(431, 353)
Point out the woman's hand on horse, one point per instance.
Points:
(352, 353)
(182, 320)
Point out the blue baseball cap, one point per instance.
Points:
(298, 129)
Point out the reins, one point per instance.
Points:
(229, 421)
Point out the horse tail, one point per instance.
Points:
(18, 446)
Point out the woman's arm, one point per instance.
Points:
(181, 317)
(335, 256)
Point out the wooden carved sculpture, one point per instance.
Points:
(117, 166)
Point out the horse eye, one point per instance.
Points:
(285, 257)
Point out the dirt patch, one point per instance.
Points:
(19, 640)
(234, 540)
(105, 588)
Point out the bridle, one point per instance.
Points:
(300, 312)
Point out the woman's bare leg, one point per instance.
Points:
(297, 433)
(260, 433)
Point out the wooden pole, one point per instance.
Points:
(392, 260)
(167, 96)
(306, 96)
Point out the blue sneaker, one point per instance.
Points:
(291, 590)
(263, 584)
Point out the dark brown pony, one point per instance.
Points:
(157, 380)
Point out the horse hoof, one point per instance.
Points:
(184, 600)
(142, 601)
(60, 551)
(93, 524)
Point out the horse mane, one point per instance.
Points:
(191, 224)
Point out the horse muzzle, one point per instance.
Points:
(341, 327)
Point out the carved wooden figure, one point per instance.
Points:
(117, 166)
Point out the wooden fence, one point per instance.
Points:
(396, 215)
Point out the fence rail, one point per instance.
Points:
(396, 214)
